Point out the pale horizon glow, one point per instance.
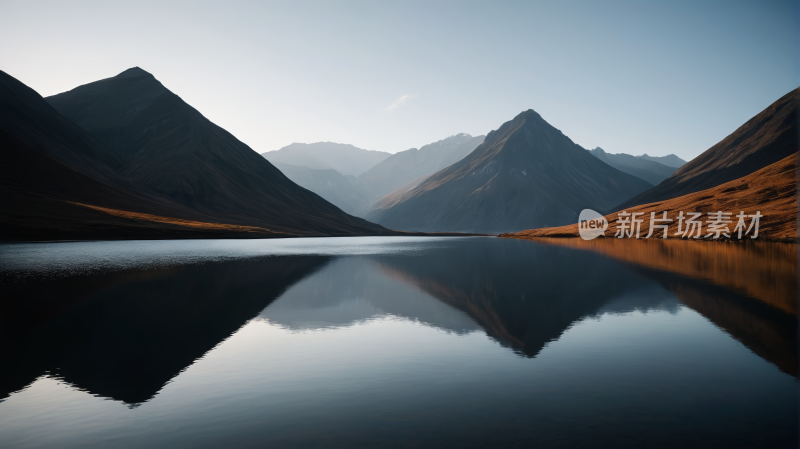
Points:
(628, 76)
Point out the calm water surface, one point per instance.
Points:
(397, 342)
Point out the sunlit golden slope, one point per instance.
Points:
(771, 190)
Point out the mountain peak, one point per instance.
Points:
(133, 72)
(530, 114)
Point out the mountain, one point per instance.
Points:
(26, 117)
(169, 148)
(345, 192)
(394, 174)
(765, 139)
(53, 173)
(346, 159)
(650, 171)
(44, 199)
(771, 191)
(401, 168)
(525, 174)
(669, 160)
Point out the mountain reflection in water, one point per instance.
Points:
(126, 334)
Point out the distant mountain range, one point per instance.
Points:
(344, 158)
(345, 192)
(127, 158)
(357, 195)
(765, 139)
(404, 167)
(525, 174)
(669, 160)
(639, 166)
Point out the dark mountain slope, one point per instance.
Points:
(49, 167)
(765, 139)
(27, 117)
(43, 199)
(401, 168)
(526, 174)
(650, 171)
(170, 148)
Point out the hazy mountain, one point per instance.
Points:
(651, 171)
(525, 174)
(401, 168)
(170, 148)
(764, 140)
(345, 192)
(395, 197)
(669, 160)
(346, 159)
(395, 174)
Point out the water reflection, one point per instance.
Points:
(352, 290)
(763, 270)
(749, 290)
(124, 335)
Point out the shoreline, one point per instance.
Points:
(602, 237)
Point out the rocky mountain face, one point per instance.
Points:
(765, 139)
(648, 170)
(159, 156)
(344, 158)
(525, 174)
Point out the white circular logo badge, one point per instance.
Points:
(591, 224)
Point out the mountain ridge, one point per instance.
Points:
(669, 160)
(491, 190)
(403, 167)
(170, 148)
(651, 171)
(345, 158)
(766, 138)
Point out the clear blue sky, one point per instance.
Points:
(633, 77)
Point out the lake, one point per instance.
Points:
(399, 342)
